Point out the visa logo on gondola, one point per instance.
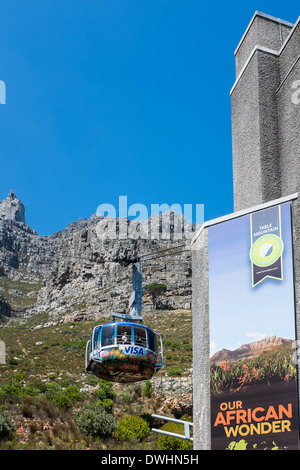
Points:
(134, 350)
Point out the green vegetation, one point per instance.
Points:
(166, 442)
(95, 421)
(147, 390)
(6, 427)
(47, 401)
(174, 371)
(156, 288)
(132, 427)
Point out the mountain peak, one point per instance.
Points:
(12, 208)
(249, 350)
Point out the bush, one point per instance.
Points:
(27, 410)
(19, 377)
(31, 390)
(62, 397)
(53, 389)
(6, 428)
(73, 393)
(132, 427)
(12, 388)
(93, 420)
(62, 400)
(173, 371)
(107, 404)
(156, 288)
(173, 443)
(105, 390)
(127, 396)
(38, 384)
(147, 390)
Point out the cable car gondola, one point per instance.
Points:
(125, 351)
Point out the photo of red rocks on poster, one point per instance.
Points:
(253, 374)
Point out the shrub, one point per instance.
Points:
(6, 428)
(46, 408)
(92, 381)
(93, 420)
(147, 390)
(38, 384)
(174, 371)
(19, 377)
(52, 390)
(105, 390)
(62, 400)
(132, 427)
(12, 388)
(156, 288)
(107, 404)
(173, 443)
(64, 383)
(27, 410)
(73, 393)
(127, 396)
(31, 390)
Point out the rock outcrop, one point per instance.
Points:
(12, 209)
(249, 350)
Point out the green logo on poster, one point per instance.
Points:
(266, 250)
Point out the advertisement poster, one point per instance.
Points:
(253, 374)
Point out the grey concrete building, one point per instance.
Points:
(265, 100)
(265, 112)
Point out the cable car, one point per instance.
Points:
(125, 351)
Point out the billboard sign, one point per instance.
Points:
(253, 378)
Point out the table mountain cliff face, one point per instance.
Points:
(249, 350)
(70, 274)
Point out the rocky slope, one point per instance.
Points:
(73, 274)
(248, 350)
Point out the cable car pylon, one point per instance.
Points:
(125, 350)
(135, 300)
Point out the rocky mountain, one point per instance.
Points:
(248, 350)
(74, 274)
(12, 209)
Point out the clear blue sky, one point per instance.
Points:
(119, 97)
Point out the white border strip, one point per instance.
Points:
(234, 215)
